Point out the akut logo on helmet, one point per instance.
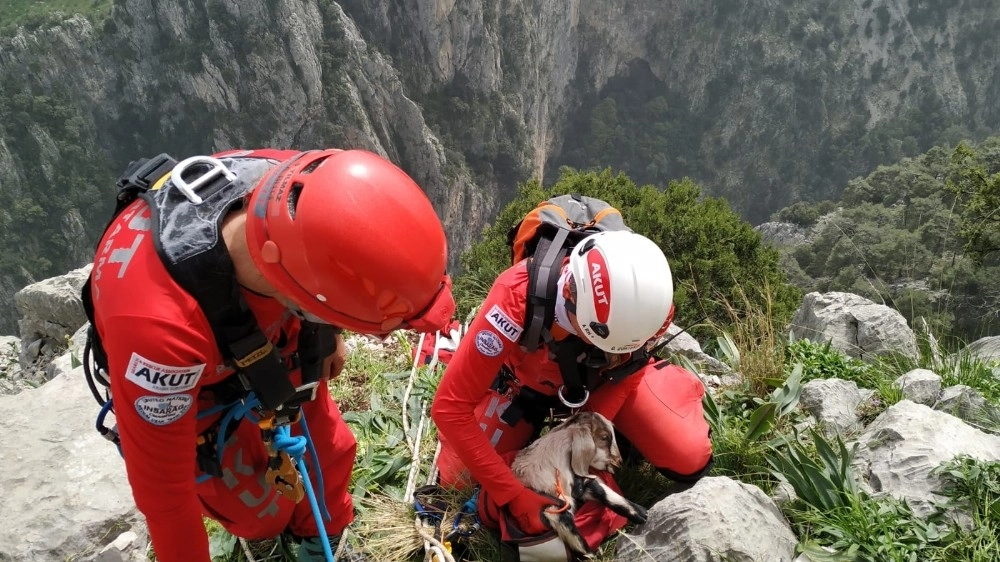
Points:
(600, 283)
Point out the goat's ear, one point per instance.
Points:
(583, 451)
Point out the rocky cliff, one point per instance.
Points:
(762, 102)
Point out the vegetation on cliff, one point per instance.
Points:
(919, 235)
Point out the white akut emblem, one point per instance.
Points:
(503, 323)
(163, 410)
(488, 343)
(160, 378)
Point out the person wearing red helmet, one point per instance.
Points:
(222, 283)
(614, 297)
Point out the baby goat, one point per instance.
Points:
(561, 460)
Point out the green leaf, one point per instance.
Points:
(761, 421)
(728, 348)
(774, 383)
(817, 553)
(221, 544)
(712, 414)
(787, 397)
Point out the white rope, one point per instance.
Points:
(431, 545)
(434, 549)
(409, 389)
(246, 550)
(432, 476)
(341, 546)
(411, 479)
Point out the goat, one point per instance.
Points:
(561, 460)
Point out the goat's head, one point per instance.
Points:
(593, 444)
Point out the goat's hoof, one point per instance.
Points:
(639, 514)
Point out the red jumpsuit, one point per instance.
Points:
(658, 410)
(161, 352)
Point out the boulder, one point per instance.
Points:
(921, 386)
(718, 519)
(854, 325)
(712, 371)
(985, 349)
(50, 312)
(965, 403)
(65, 491)
(833, 402)
(901, 447)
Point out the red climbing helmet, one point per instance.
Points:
(352, 239)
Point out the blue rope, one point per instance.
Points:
(236, 412)
(294, 446)
(104, 430)
(283, 441)
(313, 503)
(315, 463)
(469, 509)
(219, 445)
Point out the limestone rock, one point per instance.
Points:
(50, 312)
(716, 520)
(986, 349)
(854, 325)
(965, 403)
(833, 402)
(64, 486)
(921, 386)
(905, 443)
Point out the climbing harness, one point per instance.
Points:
(188, 201)
(287, 471)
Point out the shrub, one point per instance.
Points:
(712, 251)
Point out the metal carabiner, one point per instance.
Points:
(567, 403)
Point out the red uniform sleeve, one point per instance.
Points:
(492, 337)
(156, 367)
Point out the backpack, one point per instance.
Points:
(207, 276)
(546, 235)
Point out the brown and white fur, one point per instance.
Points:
(584, 441)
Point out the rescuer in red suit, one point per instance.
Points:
(341, 238)
(615, 294)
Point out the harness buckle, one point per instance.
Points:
(291, 410)
(567, 403)
(216, 168)
(146, 172)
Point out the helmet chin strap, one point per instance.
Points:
(303, 315)
(564, 306)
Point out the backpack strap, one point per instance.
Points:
(578, 377)
(210, 277)
(138, 177)
(543, 277)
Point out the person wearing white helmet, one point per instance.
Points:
(623, 285)
(613, 301)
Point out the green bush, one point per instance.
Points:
(712, 251)
(821, 361)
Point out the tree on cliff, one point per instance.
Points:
(976, 180)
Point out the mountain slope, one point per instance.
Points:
(765, 103)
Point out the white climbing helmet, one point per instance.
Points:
(624, 289)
